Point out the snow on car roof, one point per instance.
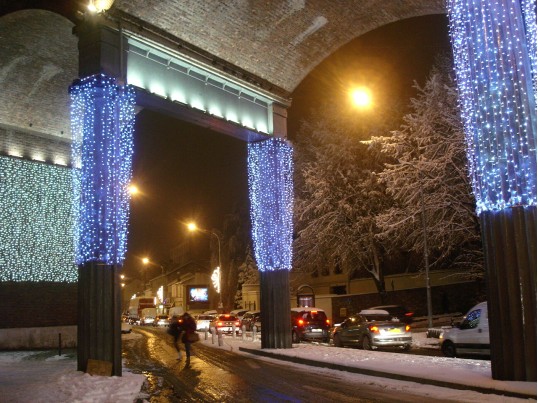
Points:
(373, 312)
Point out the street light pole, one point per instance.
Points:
(193, 227)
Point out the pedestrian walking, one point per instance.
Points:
(188, 325)
(174, 329)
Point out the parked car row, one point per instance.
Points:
(376, 327)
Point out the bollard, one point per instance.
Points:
(219, 336)
(254, 330)
(233, 331)
(59, 344)
(205, 334)
(243, 332)
(213, 331)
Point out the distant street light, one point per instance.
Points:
(146, 262)
(192, 227)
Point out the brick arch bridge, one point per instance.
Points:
(273, 45)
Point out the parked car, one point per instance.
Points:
(402, 313)
(251, 319)
(371, 329)
(203, 321)
(210, 312)
(225, 323)
(238, 313)
(471, 336)
(161, 320)
(308, 323)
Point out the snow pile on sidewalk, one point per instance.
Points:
(35, 376)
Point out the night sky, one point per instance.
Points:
(185, 172)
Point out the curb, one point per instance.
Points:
(389, 375)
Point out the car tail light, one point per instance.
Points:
(328, 321)
(409, 314)
(300, 322)
(374, 329)
(237, 324)
(219, 323)
(407, 328)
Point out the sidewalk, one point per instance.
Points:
(453, 373)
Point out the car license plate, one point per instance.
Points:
(316, 330)
(395, 330)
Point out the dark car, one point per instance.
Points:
(397, 311)
(309, 324)
(251, 319)
(371, 329)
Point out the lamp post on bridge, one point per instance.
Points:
(192, 227)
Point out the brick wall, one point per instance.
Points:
(35, 146)
(32, 304)
(39, 63)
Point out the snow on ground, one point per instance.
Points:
(46, 377)
(463, 371)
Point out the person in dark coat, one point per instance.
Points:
(188, 326)
(175, 329)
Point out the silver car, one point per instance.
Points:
(371, 329)
(203, 321)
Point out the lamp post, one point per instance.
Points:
(147, 262)
(192, 227)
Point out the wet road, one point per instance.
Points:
(217, 375)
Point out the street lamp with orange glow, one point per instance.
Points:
(361, 97)
(192, 227)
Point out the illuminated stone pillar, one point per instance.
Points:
(102, 122)
(270, 174)
(494, 44)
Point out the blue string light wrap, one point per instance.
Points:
(270, 177)
(494, 64)
(102, 122)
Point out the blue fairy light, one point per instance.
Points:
(494, 46)
(270, 178)
(102, 120)
(36, 222)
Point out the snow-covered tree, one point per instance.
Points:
(428, 180)
(235, 238)
(248, 274)
(337, 196)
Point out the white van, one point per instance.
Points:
(471, 336)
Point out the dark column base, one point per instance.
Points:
(99, 316)
(509, 238)
(275, 309)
